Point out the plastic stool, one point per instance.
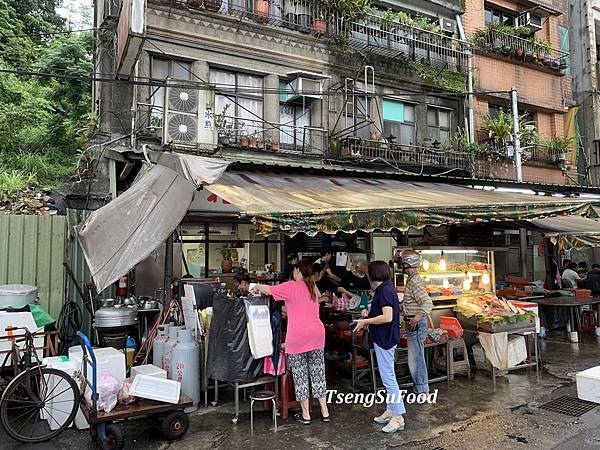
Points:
(588, 321)
(262, 396)
(460, 366)
(287, 397)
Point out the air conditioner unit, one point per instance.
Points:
(448, 26)
(530, 20)
(188, 117)
(302, 89)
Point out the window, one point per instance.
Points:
(438, 124)
(242, 95)
(161, 69)
(497, 16)
(494, 112)
(294, 119)
(355, 115)
(399, 122)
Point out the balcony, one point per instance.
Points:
(251, 134)
(394, 39)
(520, 49)
(421, 159)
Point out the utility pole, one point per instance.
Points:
(516, 135)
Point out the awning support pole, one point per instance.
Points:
(523, 252)
(168, 269)
(516, 135)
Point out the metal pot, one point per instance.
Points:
(150, 304)
(113, 316)
(17, 295)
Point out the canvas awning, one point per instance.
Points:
(312, 204)
(126, 231)
(574, 231)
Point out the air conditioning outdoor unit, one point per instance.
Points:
(448, 26)
(188, 117)
(530, 20)
(302, 89)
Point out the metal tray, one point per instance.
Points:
(523, 326)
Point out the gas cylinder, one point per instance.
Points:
(122, 287)
(158, 348)
(168, 349)
(185, 366)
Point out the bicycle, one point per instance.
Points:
(28, 406)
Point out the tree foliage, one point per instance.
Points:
(41, 117)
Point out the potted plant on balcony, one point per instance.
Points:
(226, 262)
(261, 10)
(224, 127)
(212, 5)
(252, 140)
(272, 145)
(156, 126)
(320, 22)
(260, 143)
(244, 140)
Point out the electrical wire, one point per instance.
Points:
(48, 33)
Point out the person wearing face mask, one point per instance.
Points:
(417, 305)
(383, 320)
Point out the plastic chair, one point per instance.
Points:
(588, 321)
(262, 396)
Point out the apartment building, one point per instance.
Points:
(525, 45)
(584, 23)
(283, 82)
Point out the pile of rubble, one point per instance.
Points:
(27, 203)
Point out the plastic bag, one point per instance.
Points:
(108, 388)
(124, 397)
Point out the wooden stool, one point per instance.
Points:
(456, 366)
(262, 396)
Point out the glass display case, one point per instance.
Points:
(451, 272)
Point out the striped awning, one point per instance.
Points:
(311, 204)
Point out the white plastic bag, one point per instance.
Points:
(108, 389)
(125, 397)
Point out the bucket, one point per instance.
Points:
(573, 337)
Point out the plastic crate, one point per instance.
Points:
(452, 326)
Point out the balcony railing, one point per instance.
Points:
(408, 155)
(245, 133)
(524, 50)
(398, 40)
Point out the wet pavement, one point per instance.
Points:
(468, 415)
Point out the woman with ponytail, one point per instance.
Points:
(305, 338)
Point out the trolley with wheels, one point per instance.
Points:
(173, 421)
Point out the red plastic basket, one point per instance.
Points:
(452, 326)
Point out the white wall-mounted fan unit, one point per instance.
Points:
(189, 119)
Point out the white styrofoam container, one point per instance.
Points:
(108, 359)
(533, 307)
(63, 364)
(158, 389)
(517, 350)
(148, 369)
(19, 319)
(588, 385)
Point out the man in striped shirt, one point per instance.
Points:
(416, 307)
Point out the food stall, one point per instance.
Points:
(451, 273)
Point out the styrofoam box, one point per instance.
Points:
(517, 350)
(588, 385)
(158, 389)
(108, 359)
(148, 369)
(63, 364)
(19, 319)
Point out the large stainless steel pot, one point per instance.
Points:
(114, 316)
(17, 295)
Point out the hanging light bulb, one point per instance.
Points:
(426, 265)
(485, 278)
(467, 284)
(445, 283)
(443, 265)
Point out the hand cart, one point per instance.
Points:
(173, 421)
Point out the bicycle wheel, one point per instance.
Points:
(39, 407)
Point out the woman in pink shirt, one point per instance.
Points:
(305, 338)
